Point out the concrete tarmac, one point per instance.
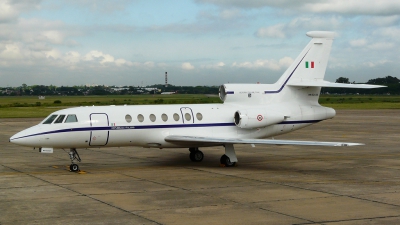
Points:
(270, 185)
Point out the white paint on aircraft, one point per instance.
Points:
(250, 113)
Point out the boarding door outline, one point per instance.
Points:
(188, 110)
(100, 133)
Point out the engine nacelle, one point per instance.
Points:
(256, 118)
(244, 93)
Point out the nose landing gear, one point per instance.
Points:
(73, 155)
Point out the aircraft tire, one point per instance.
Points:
(196, 156)
(74, 167)
(225, 160)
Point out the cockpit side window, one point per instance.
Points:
(60, 119)
(50, 119)
(71, 118)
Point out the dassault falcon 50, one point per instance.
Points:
(249, 114)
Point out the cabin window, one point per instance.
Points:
(60, 119)
(164, 117)
(128, 118)
(140, 118)
(188, 117)
(50, 119)
(176, 116)
(71, 119)
(152, 117)
(199, 116)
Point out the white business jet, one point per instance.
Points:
(249, 113)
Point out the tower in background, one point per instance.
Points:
(166, 79)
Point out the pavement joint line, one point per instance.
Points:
(268, 210)
(224, 199)
(6, 188)
(358, 219)
(277, 183)
(13, 200)
(88, 196)
(302, 188)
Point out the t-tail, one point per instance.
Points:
(311, 64)
(305, 77)
(300, 83)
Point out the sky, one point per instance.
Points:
(198, 42)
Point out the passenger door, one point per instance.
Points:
(100, 129)
(187, 115)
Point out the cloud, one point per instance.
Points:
(377, 63)
(271, 31)
(102, 6)
(187, 66)
(218, 65)
(353, 7)
(358, 42)
(383, 20)
(299, 23)
(381, 46)
(11, 51)
(11, 9)
(228, 14)
(265, 63)
(72, 57)
(98, 56)
(53, 36)
(388, 32)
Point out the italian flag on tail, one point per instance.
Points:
(309, 64)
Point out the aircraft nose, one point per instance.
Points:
(26, 137)
(18, 137)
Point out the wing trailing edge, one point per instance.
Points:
(212, 140)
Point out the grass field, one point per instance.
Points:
(31, 107)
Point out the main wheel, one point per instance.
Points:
(74, 167)
(196, 156)
(225, 160)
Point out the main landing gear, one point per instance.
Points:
(196, 155)
(73, 155)
(228, 159)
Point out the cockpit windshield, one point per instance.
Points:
(60, 119)
(71, 118)
(50, 119)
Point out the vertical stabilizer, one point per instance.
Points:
(311, 64)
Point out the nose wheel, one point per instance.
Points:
(74, 167)
(73, 155)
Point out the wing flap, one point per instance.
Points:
(212, 140)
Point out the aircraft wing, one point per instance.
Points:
(212, 140)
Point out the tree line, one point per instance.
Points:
(392, 83)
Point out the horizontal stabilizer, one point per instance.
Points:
(212, 140)
(324, 83)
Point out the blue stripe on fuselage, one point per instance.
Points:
(154, 127)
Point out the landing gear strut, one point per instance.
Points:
(229, 158)
(73, 155)
(196, 155)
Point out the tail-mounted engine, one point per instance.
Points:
(256, 118)
(243, 93)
